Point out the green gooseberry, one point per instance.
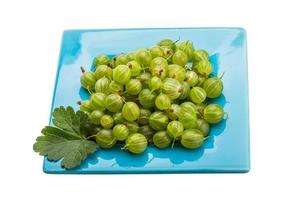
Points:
(100, 60)
(85, 106)
(106, 121)
(186, 47)
(98, 101)
(198, 95)
(130, 111)
(213, 113)
(143, 56)
(154, 83)
(147, 131)
(115, 88)
(147, 98)
(159, 71)
(173, 112)
(163, 102)
(95, 116)
(176, 72)
(133, 87)
(180, 58)
(121, 74)
(161, 139)
(175, 129)
(87, 80)
(167, 42)
(156, 51)
(158, 121)
(118, 118)
(101, 71)
(188, 118)
(122, 59)
(172, 88)
(203, 67)
(186, 91)
(105, 139)
(144, 78)
(168, 53)
(189, 106)
(120, 131)
(203, 126)
(192, 139)
(213, 87)
(144, 116)
(131, 56)
(132, 126)
(113, 103)
(136, 143)
(200, 55)
(191, 78)
(102, 85)
(159, 62)
(135, 68)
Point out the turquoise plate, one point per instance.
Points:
(227, 148)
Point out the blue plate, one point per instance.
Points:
(227, 148)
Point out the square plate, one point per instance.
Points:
(227, 148)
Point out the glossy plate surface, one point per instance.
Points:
(227, 148)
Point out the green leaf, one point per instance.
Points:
(56, 147)
(68, 139)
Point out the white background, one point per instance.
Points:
(29, 46)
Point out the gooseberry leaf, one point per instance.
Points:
(56, 147)
(67, 140)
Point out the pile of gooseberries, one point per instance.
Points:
(157, 96)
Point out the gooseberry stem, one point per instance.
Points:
(177, 40)
(221, 75)
(91, 136)
(82, 69)
(173, 142)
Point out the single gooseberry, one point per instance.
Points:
(106, 121)
(186, 90)
(180, 58)
(198, 95)
(98, 101)
(156, 51)
(186, 47)
(113, 103)
(120, 131)
(121, 74)
(147, 98)
(102, 85)
(158, 121)
(147, 131)
(122, 59)
(100, 60)
(143, 57)
(172, 88)
(130, 111)
(87, 80)
(161, 139)
(132, 126)
(105, 139)
(101, 71)
(134, 67)
(176, 72)
(191, 78)
(136, 143)
(162, 102)
(118, 118)
(213, 113)
(192, 139)
(213, 87)
(167, 42)
(133, 87)
(203, 67)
